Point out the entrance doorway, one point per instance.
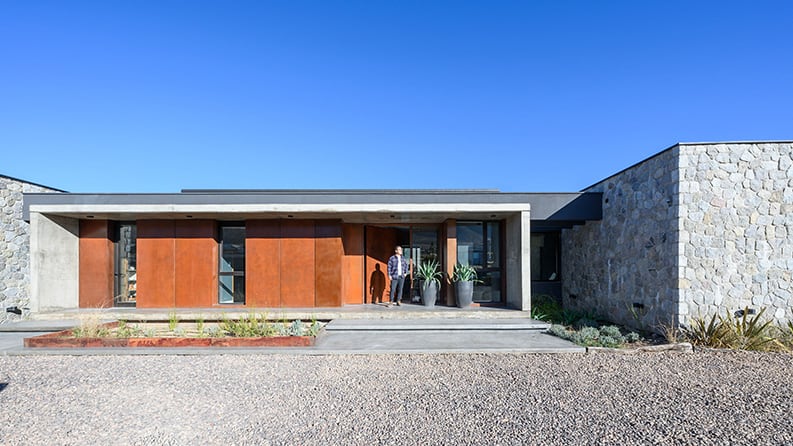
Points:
(419, 243)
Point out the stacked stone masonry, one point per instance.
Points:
(736, 229)
(696, 230)
(14, 245)
(624, 267)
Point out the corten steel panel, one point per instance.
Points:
(95, 264)
(380, 243)
(328, 263)
(449, 241)
(297, 263)
(195, 263)
(263, 263)
(353, 264)
(156, 259)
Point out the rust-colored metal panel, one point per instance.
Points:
(263, 263)
(328, 263)
(156, 260)
(95, 264)
(297, 263)
(449, 241)
(195, 263)
(380, 244)
(352, 264)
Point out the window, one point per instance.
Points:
(479, 245)
(125, 238)
(545, 257)
(231, 273)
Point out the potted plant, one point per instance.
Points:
(464, 277)
(429, 276)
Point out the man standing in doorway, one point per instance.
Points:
(398, 268)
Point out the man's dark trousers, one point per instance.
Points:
(396, 289)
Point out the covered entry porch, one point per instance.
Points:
(241, 250)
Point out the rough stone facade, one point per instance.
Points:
(14, 245)
(625, 266)
(736, 221)
(697, 229)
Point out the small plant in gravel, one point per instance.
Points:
(605, 336)
(742, 332)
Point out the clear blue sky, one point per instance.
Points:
(138, 96)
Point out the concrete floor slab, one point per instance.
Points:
(435, 324)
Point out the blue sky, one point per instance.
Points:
(114, 96)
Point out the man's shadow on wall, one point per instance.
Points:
(376, 285)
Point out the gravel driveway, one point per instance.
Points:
(700, 398)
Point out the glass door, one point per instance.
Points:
(125, 265)
(479, 245)
(423, 248)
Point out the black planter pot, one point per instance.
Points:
(429, 293)
(465, 293)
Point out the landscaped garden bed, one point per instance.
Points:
(745, 330)
(252, 331)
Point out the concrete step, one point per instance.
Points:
(516, 324)
(41, 326)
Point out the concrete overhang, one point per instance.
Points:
(353, 206)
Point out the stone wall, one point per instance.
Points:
(630, 256)
(736, 239)
(14, 245)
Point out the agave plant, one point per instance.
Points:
(429, 271)
(464, 273)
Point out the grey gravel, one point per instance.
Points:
(649, 398)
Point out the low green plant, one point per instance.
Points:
(786, 335)
(199, 325)
(250, 326)
(741, 332)
(296, 328)
(313, 329)
(173, 320)
(546, 308)
(90, 327)
(464, 273)
(671, 332)
(633, 337)
(751, 333)
(605, 336)
(429, 272)
(124, 330)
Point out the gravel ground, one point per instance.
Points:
(699, 398)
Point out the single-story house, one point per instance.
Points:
(696, 229)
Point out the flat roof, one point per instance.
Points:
(353, 205)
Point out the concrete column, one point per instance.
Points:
(54, 262)
(518, 254)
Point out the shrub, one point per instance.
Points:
(610, 330)
(632, 337)
(745, 332)
(606, 336)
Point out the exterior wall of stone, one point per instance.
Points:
(736, 238)
(14, 245)
(631, 255)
